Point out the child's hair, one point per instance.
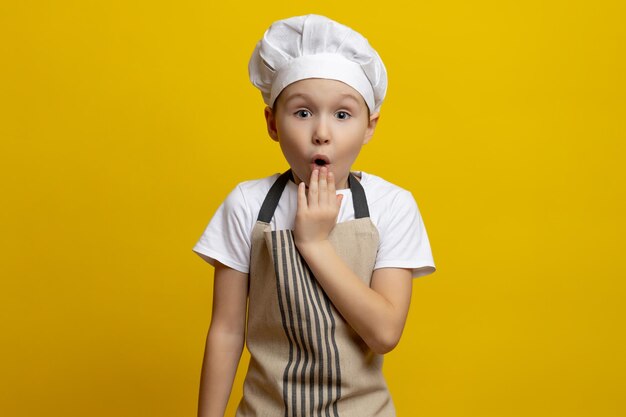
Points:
(314, 46)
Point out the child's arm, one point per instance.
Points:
(224, 342)
(378, 312)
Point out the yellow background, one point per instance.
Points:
(123, 125)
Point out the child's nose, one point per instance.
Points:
(321, 135)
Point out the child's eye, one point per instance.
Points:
(303, 113)
(342, 115)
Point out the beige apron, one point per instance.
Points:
(306, 360)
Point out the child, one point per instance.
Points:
(322, 257)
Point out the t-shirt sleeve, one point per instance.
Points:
(403, 239)
(227, 237)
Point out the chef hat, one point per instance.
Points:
(314, 46)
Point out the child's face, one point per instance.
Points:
(320, 122)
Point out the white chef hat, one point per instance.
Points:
(314, 46)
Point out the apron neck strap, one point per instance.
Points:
(272, 198)
(359, 201)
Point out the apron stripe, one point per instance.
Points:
(292, 329)
(299, 374)
(317, 342)
(326, 379)
(285, 327)
(304, 298)
(332, 382)
(296, 270)
(293, 384)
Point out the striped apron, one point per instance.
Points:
(305, 359)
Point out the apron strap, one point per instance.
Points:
(358, 198)
(272, 198)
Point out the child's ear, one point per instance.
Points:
(270, 120)
(371, 126)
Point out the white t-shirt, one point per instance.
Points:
(393, 210)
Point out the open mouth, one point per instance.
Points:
(320, 160)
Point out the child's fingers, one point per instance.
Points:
(331, 186)
(302, 203)
(314, 189)
(323, 186)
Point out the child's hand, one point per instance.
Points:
(317, 212)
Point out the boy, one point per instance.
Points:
(322, 258)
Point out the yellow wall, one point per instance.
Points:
(124, 124)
